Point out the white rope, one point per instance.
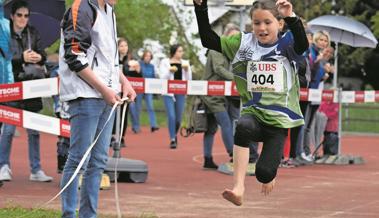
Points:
(117, 199)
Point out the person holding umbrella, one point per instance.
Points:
(26, 48)
(90, 80)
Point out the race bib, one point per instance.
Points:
(265, 76)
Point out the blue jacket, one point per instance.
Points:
(148, 70)
(6, 74)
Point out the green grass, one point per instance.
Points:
(19, 212)
(368, 115)
(15, 212)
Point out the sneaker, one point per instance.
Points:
(173, 144)
(5, 173)
(322, 159)
(209, 164)
(287, 164)
(302, 161)
(40, 176)
(308, 158)
(153, 129)
(250, 169)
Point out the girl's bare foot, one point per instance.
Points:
(233, 196)
(268, 187)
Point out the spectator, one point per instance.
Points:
(319, 122)
(6, 75)
(330, 143)
(123, 49)
(148, 71)
(26, 48)
(321, 40)
(132, 68)
(174, 68)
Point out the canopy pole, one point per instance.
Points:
(335, 75)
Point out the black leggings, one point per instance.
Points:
(248, 130)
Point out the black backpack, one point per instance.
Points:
(304, 72)
(197, 120)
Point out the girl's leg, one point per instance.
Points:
(150, 110)
(269, 160)
(240, 163)
(180, 101)
(170, 112)
(247, 130)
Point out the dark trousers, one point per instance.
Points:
(295, 132)
(248, 130)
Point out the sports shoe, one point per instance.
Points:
(209, 164)
(40, 176)
(153, 129)
(289, 163)
(302, 161)
(173, 144)
(250, 169)
(5, 173)
(308, 158)
(322, 159)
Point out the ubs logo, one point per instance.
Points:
(253, 67)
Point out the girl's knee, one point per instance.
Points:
(265, 174)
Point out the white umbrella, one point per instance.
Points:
(344, 30)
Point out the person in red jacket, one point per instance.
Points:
(330, 144)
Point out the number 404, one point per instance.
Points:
(262, 79)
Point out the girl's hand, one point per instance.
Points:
(284, 8)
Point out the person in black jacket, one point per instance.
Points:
(26, 49)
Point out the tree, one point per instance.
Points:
(138, 20)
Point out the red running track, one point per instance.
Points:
(178, 187)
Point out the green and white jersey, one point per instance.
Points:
(272, 97)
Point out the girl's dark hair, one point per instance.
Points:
(173, 49)
(121, 40)
(269, 5)
(19, 4)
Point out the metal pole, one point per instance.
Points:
(335, 85)
(335, 76)
(339, 120)
(116, 144)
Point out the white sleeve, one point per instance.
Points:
(188, 73)
(164, 69)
